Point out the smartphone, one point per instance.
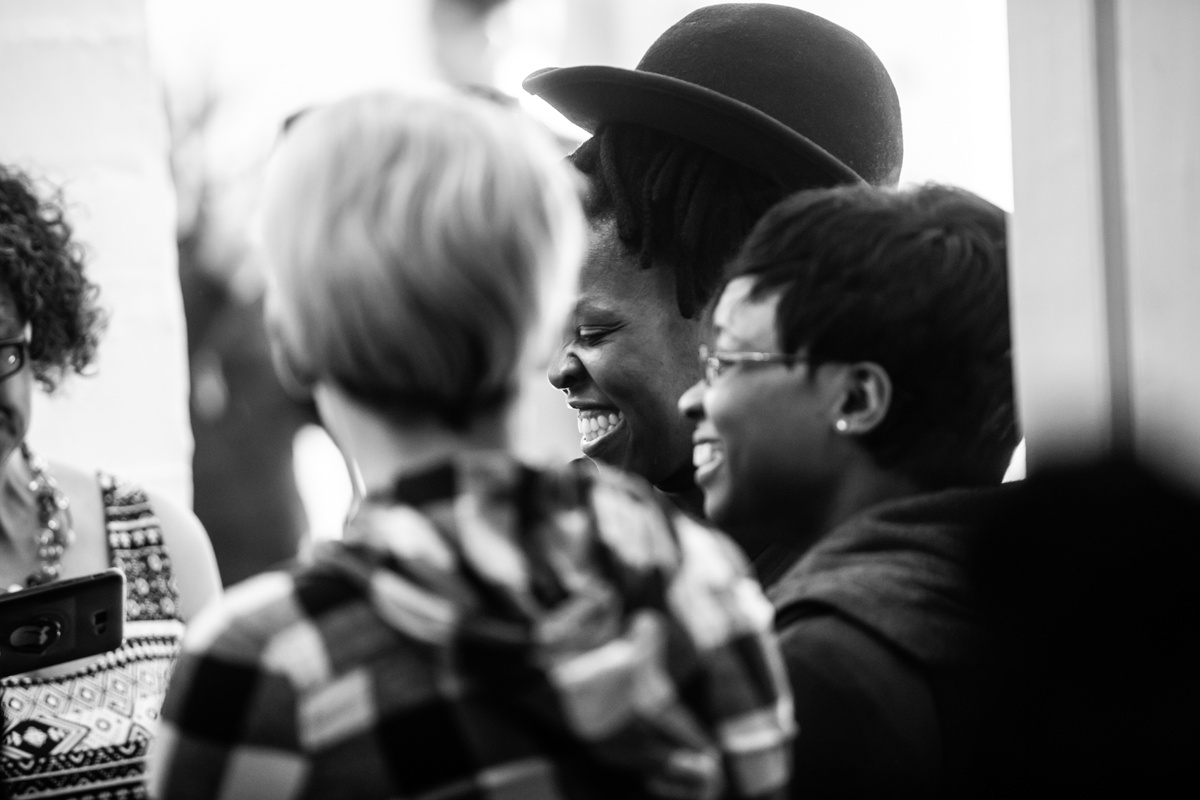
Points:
(61, 621)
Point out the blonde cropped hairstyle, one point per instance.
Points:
(411, 241)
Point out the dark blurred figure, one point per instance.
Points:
(244, 424)
(1089, 575)
(243, 421)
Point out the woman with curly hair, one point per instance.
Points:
(80, 727)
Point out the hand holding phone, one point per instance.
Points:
(61, 621)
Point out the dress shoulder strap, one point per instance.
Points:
(136, 547)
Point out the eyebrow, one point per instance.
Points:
(584, 305)
(739, 345)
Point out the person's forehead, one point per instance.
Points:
(613, 278)
(742, 318)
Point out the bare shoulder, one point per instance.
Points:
(187, 542)
(191, 553)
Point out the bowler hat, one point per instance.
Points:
(779, 90)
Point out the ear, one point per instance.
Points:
(865, 399)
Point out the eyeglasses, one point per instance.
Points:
(13, 353)
(714, 362)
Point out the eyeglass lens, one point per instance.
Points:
(12, 358)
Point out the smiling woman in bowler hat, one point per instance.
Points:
(730, 110)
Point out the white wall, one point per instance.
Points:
(80, 107)
(1057, 278)
(1160, 135)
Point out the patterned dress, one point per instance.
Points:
(84, 734)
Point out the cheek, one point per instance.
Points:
(726, 416)
(634, 373)
(677, 367)
(664, 385)
(748, 424)
(17, 391)
(16, 398)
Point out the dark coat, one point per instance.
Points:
(889, 656)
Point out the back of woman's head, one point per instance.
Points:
(410, 241)
(916, 281)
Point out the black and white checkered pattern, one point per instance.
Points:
(488, 631)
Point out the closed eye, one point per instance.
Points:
(589, 335)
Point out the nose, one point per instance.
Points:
(691, 402)
(565, 370)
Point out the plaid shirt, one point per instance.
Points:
(488, 631)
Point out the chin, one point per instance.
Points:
(613, 460)
(725, 516)
(645, 468)
(717, 511)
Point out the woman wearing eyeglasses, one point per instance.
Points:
(853, 426)
(81, 727)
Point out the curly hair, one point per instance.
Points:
(675, 202)
(916, 281)
(42, 268)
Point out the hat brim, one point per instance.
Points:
(592, 95)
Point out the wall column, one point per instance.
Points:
(1106, 229)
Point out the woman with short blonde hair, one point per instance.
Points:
(486, 628)
(413, 282)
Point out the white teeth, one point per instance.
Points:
(703, 453)
(592, 426)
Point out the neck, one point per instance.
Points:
(681, 489)
(861, 490)
(379, 449)
(791, 530)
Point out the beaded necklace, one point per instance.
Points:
(55, 534)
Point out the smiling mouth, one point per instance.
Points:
(595, 424)
(706, 458)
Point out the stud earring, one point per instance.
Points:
(842, 426)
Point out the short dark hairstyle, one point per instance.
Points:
(43, 269)
(674, 201)
(914, 280)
